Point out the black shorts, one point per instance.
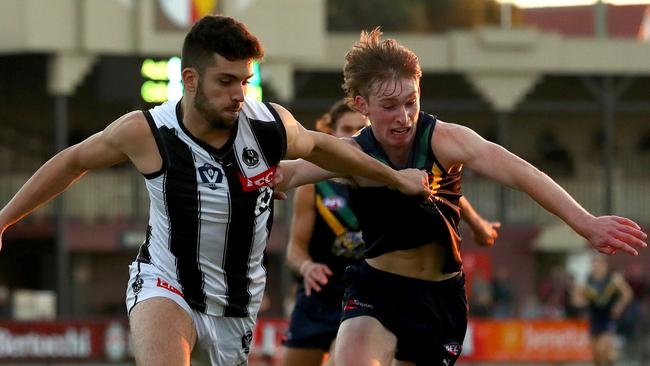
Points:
(428, 318)
(599, 325)
(314, 322)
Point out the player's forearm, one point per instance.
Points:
(51, 179)
(469, 215)
(299, 172)
(341, 157)
(552, 197)
(297, 256)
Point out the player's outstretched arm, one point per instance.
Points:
(338, 156)
(102, 149)
(607, 234)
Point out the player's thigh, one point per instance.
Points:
(162, 332)
(302, 357)
(363, 341)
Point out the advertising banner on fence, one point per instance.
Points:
(527, 341)
(59, 341)
(494, 341)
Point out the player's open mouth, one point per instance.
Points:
(400, 131)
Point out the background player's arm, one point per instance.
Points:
(457, 144)
(108, 147)
(302, 227)
(338, 156)
(625, 297)
(485, 232)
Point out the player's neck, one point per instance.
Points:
(399, 156)
(200, 128)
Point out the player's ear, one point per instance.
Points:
(361, 105)
(190, 79)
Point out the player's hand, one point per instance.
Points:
(278, 178)
(413, 182)
(486, 232)
(314, 276)
(609, 234)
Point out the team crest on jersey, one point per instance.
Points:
(211, 175)
(334, 202)
(137, 284)
(250, 157)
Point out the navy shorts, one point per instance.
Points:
(600, 324)
(428, 318)
(314, 322)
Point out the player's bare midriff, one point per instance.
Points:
(424, 262)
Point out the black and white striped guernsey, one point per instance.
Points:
(210, 210)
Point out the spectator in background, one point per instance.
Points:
(606, 294)
(551, 293)
(571, 311)
(481, 296)
(530, 309)
(502, 294)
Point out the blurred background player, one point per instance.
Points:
(325, 239)
(606, 295)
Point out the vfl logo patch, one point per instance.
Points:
(164, 284)
(210, 175)
(334, 203)
(254, 183)
(250, 157)
(453, 348)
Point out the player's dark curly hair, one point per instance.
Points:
(219, 34)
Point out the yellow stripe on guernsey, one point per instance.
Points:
(434, 186)
(437, 177)
(329, 217)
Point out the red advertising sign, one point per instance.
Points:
(63, 341)
(527, 341)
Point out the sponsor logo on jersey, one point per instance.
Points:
(211, 175)
(164, 284)
(250, 157)
(453, 348)
(334, 202)
(261, 180)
